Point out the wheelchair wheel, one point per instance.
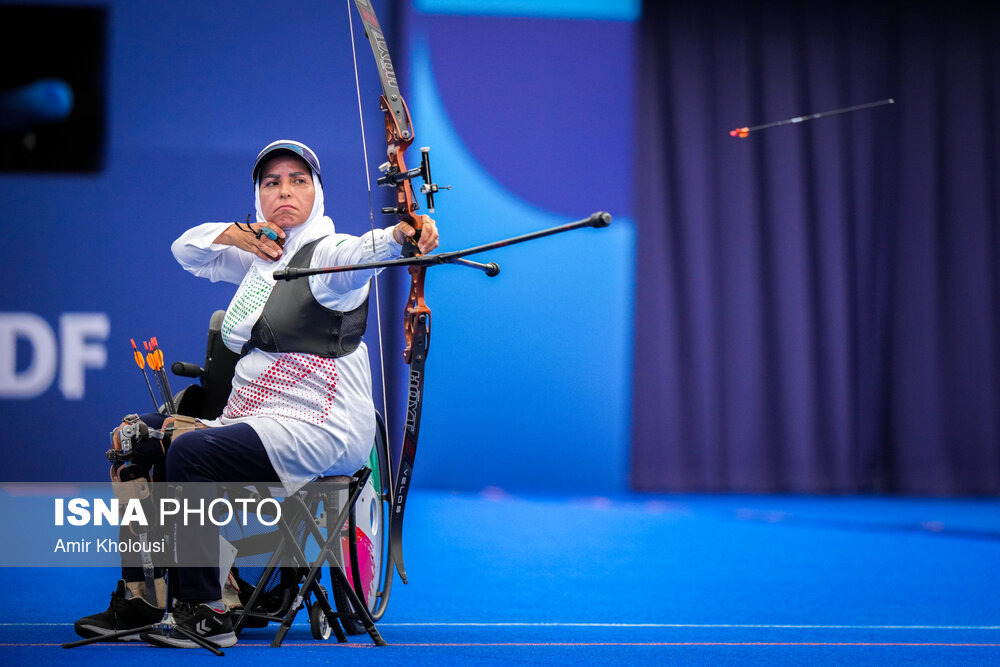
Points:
(371, 576)
(318, 623)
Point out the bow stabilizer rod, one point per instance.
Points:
(596, 220)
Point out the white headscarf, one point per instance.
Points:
(316, 225)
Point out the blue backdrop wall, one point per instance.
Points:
(528, 378)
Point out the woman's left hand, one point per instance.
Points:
(428, 240)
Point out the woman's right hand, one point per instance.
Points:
(262, 247)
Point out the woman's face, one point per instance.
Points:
(287, 192)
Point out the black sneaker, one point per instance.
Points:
(122, 614)
(200, 619)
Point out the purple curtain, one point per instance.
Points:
(818, 304)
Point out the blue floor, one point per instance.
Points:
(701, 580)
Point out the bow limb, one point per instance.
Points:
(418, 337)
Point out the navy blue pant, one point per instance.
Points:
(225, 454)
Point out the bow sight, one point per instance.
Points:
(394, 177)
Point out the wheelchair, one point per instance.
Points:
(355, 551)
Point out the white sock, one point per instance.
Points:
(218, 605)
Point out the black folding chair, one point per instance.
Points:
(313, 516)
(323, 517)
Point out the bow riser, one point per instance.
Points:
(406, 201)
(416, 311)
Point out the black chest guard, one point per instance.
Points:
(293, 321)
